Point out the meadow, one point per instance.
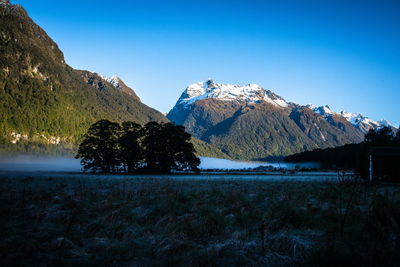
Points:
(144, 221)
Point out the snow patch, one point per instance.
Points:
(322, 110)
(251, 93)
(356, 119)
(114, 80)
(360, 121)
(385, 123)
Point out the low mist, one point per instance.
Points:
(37, 163)
(66, 164)
(226, 164)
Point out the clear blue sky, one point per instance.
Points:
(343, 53)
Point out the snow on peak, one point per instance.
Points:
(360, 120)
(114, 80)
(385, 123)
(357, 119)
(364, 123)
(322, 110)
(251, 93)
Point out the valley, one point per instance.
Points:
(279, 161)
(46, 106)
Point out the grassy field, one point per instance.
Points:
(151, 222)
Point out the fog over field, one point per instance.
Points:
(31, 163)
(65, 164)
(226, 164)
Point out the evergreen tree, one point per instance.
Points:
(131, 152)
(380, 136)
(178, 149)
(152, 146)
(100, 147)
(167, 147)
(382, 144)
(155, 147)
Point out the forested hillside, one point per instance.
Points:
(44, 99)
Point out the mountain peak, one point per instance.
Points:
(360, 121)
(250, 93)
(324, 110)
(385, 123)
(114, 80)
(356, 119)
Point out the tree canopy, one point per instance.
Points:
(161, 148)
(100, 148)
(167, 146)
(383, 144)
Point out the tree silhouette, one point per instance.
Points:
(178, 149)
(131, 152)
(382, 144)
(167, 147)
(398, 134)
(379, 136)
(100, 147)
(152, 145)
(155, 147)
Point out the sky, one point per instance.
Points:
(341, 53)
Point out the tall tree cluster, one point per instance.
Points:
(111, 147)
(382, 144)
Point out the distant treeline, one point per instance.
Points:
(383, 144)
(110, 147)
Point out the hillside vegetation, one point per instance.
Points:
(261, 130)
(45, 105)
(42, 97)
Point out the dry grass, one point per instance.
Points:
(147, 221)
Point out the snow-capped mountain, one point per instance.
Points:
(251, 93)
(250, 122)
(358, 120)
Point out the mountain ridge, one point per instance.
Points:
(250, 122)
(254, 93)
(45, 100)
